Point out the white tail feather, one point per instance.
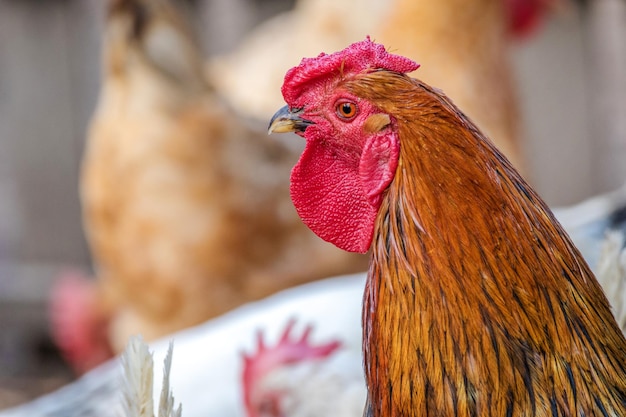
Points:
(138, 367)
(166, 403)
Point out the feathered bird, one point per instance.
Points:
(185, 207)
(476, 302)
(464, 49)
(298, 378)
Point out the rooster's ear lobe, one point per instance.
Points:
(378, 164)
(376, 122)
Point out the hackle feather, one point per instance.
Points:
(477, 302)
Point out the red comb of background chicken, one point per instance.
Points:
(77, 327)
(358, 57)
(525, 15)
(286, 352)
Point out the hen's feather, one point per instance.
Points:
(138, 379)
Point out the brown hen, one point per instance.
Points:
(185, 206)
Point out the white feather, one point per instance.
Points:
(166, 403)
(137, 379)
(138, 382)
(611, 273)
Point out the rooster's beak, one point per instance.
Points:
(288, 120)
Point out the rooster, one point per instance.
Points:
(476, 302)
(185, 207)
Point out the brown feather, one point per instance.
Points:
(477, 302)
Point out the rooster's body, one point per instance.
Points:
(477, 302)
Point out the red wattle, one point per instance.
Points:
(331, 202)
(338, 197)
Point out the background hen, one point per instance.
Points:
(184, 204)
(208, 366)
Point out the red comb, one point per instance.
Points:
(78, 327)
(288, 350)
(358, 57)
(524, 16)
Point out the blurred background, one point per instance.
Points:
(570, 77)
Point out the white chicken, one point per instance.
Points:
(208, 366)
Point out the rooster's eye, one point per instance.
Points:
(346, 110)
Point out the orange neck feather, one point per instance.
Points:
(477, 302)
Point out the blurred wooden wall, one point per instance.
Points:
(48, 85)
